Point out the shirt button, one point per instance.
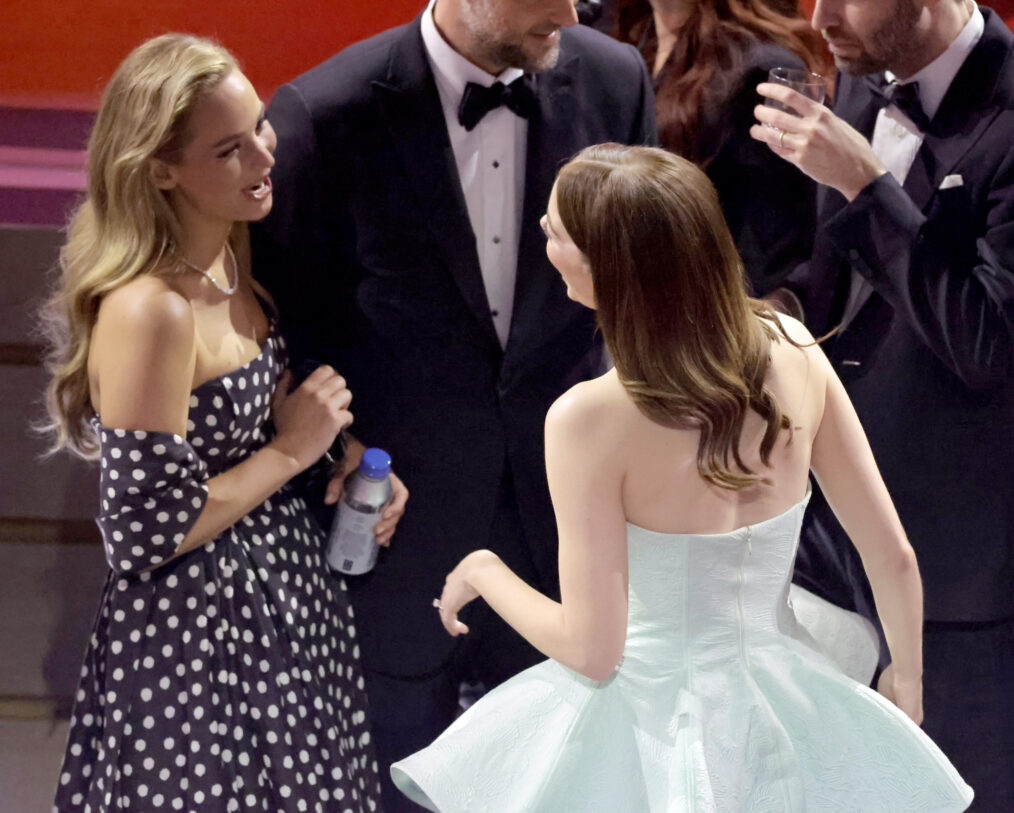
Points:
(495, 313)
(496, 240)
(496, 165)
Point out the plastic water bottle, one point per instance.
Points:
(352, 546)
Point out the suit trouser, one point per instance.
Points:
(969, 705)
(968, 667)
(408, 713)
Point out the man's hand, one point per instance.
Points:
(822, 145)
(384, 529)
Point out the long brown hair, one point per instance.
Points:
(690, 347)
(707, 56)
(125, 226)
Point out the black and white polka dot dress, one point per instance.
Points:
(229, 678)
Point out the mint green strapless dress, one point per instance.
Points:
(721, 703)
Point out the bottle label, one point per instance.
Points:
(353, 547)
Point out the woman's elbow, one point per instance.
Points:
(896, 560)
(601, 660)
(904, 561)
(599, 672)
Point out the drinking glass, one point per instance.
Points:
(811, 85)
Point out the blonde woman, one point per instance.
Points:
(222, 671)
(678, 679)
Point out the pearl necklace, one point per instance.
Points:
(229, 291)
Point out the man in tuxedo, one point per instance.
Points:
(914, 260)
(404, 249)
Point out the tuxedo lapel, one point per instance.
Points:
(856, 104)
(409, 104)
(552, 135)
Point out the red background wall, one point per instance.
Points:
(59, 53)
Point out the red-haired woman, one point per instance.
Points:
(707, 57)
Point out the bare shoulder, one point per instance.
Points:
(146, 309)
(795, 329)
(142, 357)
(143, 326)
(587, 406)
(801, 341)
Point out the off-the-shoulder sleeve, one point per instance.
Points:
(153, 488)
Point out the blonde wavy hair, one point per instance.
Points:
(690, 347)
(125, 226)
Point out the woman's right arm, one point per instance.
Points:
(843, 464)
(145, 375)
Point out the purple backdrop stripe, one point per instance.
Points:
(36, 207)
(46, 129)
(42, 161)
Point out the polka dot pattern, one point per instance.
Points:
(228, 678)
(141, 527)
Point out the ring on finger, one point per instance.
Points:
(437, 604)
(781, 140)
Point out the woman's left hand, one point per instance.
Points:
(395, 508)
(458, 589)
(906, 694)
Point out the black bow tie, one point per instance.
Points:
(904, 97)
(518, 97)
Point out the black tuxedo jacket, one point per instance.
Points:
(371, 258)
(927, 351)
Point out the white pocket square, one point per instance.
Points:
(951, 181)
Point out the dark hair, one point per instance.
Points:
(698, 75)
(690, 347)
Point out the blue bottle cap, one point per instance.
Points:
(376, 463)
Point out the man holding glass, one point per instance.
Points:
(914, 261)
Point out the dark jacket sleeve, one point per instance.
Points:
(769, 204)
(295, 249)
(956, 290)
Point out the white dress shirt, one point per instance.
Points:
(491, 169)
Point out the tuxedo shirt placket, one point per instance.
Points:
(490, 160)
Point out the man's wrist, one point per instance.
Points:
(863, 182)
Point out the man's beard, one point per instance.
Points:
(514, 55)
(488, 30)
(887, 45)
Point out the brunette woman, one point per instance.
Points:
(678, 679)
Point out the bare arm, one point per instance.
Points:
(586, 630)
(145, 376)
(844, 466)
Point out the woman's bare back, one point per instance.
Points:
(663, 490)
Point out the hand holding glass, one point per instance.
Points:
(811, 85)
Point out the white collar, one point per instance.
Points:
(935, 79)
(454, 69)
